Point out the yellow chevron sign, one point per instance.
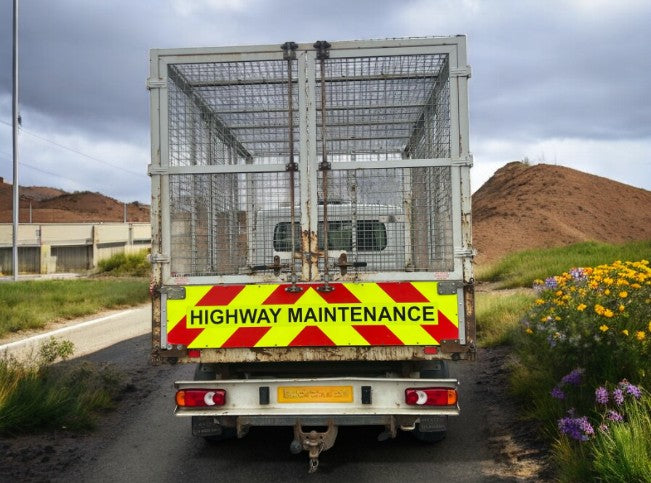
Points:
(353, 314)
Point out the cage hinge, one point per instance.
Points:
(466, 161)
(173, 293)
(322, 49)
(156, 170)
(289, 50)
(464, 253)
(448, 288)
(291, 166)
(159, 258)
(461, 72)
(155, 84)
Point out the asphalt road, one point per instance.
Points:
(142, 441)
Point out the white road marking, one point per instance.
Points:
(63, 330)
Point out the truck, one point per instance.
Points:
(311, 235)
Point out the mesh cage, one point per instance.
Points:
(378, 110)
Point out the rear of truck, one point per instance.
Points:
(311, 229)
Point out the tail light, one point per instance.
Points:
(430, 396)
(193, 398)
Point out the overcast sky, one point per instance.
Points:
(561, 82)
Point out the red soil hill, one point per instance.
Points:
(522, 207)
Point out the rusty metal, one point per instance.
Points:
(322, 54)
(289, 54)
(308, 354)
(314, 442)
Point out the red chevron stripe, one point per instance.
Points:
(181, 334)
(340, 294)
(311, 336)
(246, 337)
(280, 296)
(378, 335)
(444, 330)
(402, 292)
(220, 295)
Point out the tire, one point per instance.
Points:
(433, 370)
(429, 436)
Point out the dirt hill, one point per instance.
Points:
(51, 205)
(523, 207)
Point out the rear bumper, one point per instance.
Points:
(260, 402)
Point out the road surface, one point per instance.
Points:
(141, 441)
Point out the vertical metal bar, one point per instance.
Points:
(322, 53)
(307, 162)
(15, 122)
(290, 55)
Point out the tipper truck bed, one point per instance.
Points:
(311, 226)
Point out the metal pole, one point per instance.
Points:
(15, 141)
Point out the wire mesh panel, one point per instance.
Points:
(371, 109)
(214, 227)
(374, 104)
(396, 219)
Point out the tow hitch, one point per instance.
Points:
(313, 442)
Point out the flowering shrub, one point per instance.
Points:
(587, 326)
(618, 415)
(597, 318)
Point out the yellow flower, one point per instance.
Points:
(608, 313)
(559, 293)
(607, 291)
(603, 328)
(625, 332)
(529, 331)
(650, 327)
(623, 294)
(621, 308)
(608, 281)
(599, 309)
(539, 301)
(640, 335)
(635, 285)
(557, 318)
(581, 307)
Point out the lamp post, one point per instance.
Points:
(15, 122)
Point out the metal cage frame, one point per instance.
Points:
(182, 72)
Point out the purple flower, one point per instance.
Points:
(577, 274)
(601, 395)
(614, 416)
(634, 391)
(573, 377)
(578, 429)
(557, 393)
(551, 282)
(618, 397)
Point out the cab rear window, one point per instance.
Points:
(371, 236)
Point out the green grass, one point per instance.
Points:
(33, 304)
(123, 264)
(522, 268)
(624, 452)
(38, 395)
(498, 315)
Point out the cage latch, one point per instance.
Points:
(322, 49)
(276, 266)
(342, 263)
(289, 50)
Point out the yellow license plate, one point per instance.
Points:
(315, 394)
